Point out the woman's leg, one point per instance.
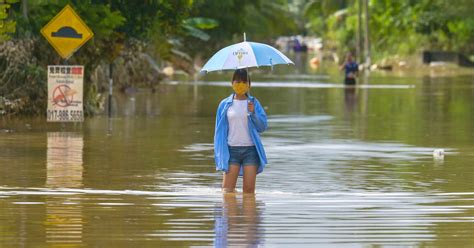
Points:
(229, 179)
(250, 178)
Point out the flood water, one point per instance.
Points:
(348, 167)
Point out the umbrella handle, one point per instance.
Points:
(248, 76)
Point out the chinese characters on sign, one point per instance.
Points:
(65, 85)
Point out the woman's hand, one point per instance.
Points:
(250, 106)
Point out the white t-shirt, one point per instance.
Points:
(238, 124)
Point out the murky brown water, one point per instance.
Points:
(348, 168)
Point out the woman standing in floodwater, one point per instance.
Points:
(238, 149)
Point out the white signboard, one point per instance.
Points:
(65, 83)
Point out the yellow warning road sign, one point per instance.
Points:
(66, 32)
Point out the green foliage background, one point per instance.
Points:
(141, 37)
(125, 34)
(396, 27)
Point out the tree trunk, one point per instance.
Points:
(24, 8)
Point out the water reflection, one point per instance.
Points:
(64, 216)
(64, 160)
(238, 222)
(363, 181)
(350, 99)
(130, 107)
(301, 63)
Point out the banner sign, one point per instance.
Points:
(65, 84)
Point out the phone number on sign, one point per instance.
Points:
(65, 115)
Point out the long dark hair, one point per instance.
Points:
(241, 75)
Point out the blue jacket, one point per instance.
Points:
(257, 124)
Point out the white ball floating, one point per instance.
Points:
(438, 154)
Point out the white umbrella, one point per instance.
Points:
(245, 55)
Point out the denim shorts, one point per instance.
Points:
(243, 155)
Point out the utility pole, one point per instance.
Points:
(359, 31)
(366, 40)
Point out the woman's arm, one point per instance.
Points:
(259, 117)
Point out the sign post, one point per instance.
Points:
(66, 32)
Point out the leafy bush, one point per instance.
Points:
(23, 81)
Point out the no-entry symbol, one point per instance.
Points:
(63, 95)
(65, 91)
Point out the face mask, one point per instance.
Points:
(240, 88)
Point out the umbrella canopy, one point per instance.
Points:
(244, 55)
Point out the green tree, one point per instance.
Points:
(261, 20)
(7, 27)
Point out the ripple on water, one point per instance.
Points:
(274, 84)
(269, 217)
